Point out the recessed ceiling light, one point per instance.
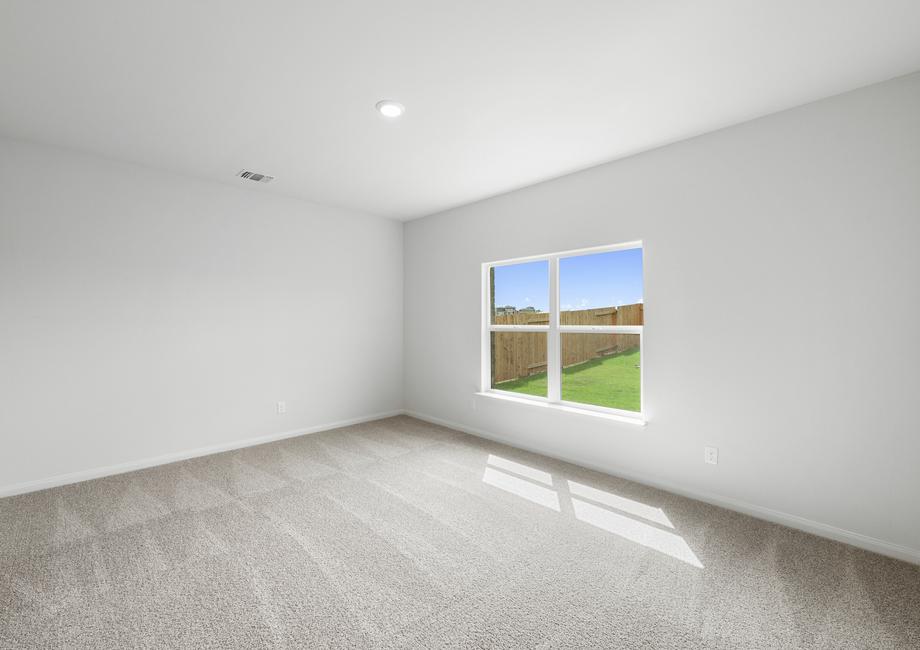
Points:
(389, 108)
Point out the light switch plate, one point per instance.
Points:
(711, 455)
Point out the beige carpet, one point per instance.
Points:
(398, 533)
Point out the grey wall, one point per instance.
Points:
(144, 313)
(782, 314)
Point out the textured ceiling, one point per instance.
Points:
(498, 94)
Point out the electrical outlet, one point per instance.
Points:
(711, 455)
(282, 408)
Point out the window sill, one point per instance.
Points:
(564, 408)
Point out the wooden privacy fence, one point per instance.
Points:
(519, 354)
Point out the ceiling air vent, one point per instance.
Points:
(255, 176)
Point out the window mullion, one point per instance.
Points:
(517, 328)
(601, 329)
(553, 364)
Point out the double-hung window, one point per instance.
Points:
(566, 328)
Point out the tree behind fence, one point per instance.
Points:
(519, 354)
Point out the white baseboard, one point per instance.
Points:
(858, 540)
(130, 466)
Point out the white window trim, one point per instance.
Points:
(553, 341)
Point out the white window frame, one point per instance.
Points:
(554, 332)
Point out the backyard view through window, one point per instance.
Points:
(568, 327)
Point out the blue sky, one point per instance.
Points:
(585, 282)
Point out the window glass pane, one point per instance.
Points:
(520, 293)
(519, 362)
(601, 289)
(602, 369)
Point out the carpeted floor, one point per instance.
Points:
(398, 533)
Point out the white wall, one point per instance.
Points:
(144, 314)
(781, 289)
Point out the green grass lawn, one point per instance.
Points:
(607, 381)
